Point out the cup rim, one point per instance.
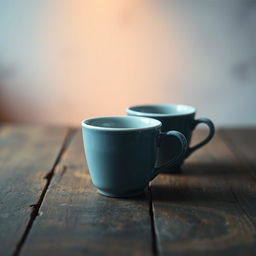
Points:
(148, 114)
(157, 124)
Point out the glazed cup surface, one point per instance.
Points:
(121, 152)
(174, 117)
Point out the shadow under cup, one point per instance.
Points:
(121, 153)
(174, 117)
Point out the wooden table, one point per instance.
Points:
(48, 205)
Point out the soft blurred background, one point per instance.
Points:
(62, 61)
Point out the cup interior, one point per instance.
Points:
(162, 109)
(121, 122)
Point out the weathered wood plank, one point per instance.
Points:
(76, 220)
(242, 142)
(27, 154)
(201, 211)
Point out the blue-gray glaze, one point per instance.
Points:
(122, 161)
(174, 117)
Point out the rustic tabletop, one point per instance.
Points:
(48, 205)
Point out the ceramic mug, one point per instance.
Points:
(174, 117)
(121, 153)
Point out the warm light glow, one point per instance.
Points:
(63, 61)
(95, 58)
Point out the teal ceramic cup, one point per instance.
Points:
(174, 117)
(121, 153)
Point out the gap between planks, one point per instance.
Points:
(153, 225)
(36, 206)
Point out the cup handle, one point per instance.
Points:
(183, 148)
(210, 124)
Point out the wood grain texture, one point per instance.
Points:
(242, 142)
(202, 211)
(75, 220)
(27, 154)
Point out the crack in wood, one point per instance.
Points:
(36, 207)
(152, 221)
